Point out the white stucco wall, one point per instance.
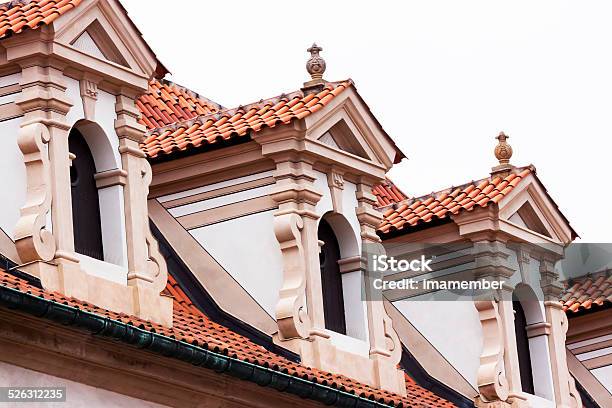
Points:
(77, 395)
(247, 248)
(604, 375)
(14, 187)
(452, 327)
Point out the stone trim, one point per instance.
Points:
(538, 329)
(266, 181)
(115, 177)
(355, 263)
(227, 212)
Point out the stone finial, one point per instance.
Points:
(315, 67)
(316, 64)
(503, 153)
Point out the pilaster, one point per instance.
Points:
(147, 272)
(566, 395)
(300, 305)
(43, 139)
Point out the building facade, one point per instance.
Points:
(160, 249)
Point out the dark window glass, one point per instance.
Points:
(331, 280)
(522, 345)
(85, 203)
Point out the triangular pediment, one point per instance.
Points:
(340, 137)
(529, 208)
(346, 124)
(100, 32)
(527, 217)
(96, 41)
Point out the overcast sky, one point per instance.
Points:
(443, 78)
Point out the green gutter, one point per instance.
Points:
(169, 347)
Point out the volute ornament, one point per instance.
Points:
(34, 242)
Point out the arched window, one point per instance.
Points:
(85, 202)
(522, 345)
(331, 280)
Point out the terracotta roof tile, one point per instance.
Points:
(180, 298)
(437, 206)
(166, 103)
(587, 292)
(387, 193)
(225, 124)
(193, 326)
(16, 16)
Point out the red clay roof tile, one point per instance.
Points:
(15, 16)
(406, 214)
(193, 326)
(587, 292)
(388, 193)
(166, 103)
(222, 125)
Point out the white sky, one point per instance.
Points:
(443, 78)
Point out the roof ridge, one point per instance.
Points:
(411, 200)
(190, 92)
(13, 3)
(229, 112)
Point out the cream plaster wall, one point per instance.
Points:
(77, 395)
(247, 248)
(354, 308)
(453, 328)
(325, 203)
(604, 375)
(349, 205)
(14, 187)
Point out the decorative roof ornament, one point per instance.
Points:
(316, 64)
(315, 67)
(503, 153)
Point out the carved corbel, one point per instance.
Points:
(492, 382)
(89, 95)
(523, 258)
(335, 181)
(34, 242)
(291, 313)
(392, 339)
(156, 264)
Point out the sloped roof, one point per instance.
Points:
(227, 124)
(451, 201)
(16, 16)
(19, 15)
(166, 103)
(388, 193)
(588, 292)
(194, 327)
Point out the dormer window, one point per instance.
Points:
(331, 280)
(522, 347)
(85, 201)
